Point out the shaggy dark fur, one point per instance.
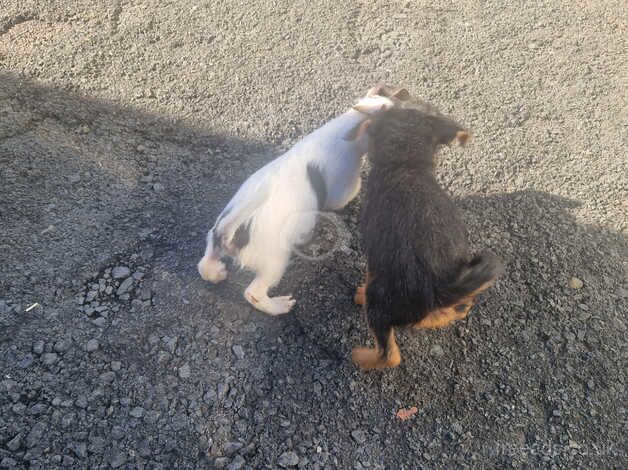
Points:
(420, 269)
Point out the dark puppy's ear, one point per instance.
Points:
(446, 130)
(384, 90)
(357, 131)
(401, 94)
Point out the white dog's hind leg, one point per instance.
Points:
(257, 292)
(257, 295)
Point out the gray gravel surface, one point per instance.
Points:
(125, 126)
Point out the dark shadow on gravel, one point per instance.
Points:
(534, 358)
(83, 180)
(187, 374)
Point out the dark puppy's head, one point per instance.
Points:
(411, 134)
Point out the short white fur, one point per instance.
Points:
(281, 204)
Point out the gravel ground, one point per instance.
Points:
(125, 126)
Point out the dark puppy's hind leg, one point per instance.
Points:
(360, 293)
(386, 352)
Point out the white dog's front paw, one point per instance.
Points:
(271, 305)
(212, 270)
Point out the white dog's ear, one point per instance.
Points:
(358, 131)
(373, 104)
(377, 90)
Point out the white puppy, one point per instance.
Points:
(275, 208)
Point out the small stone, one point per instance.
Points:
(26, 361)
(288, 459)
(107, 377)
(35, 435)
(140, 148)
(120, 272)
(8, 462)
(38, 347)
(485, 321)
(158, 187)
(92, 345)
(19, 408)
(437, 351)
(137, 412)
(238, 351)
(117, 433)
(221, 462)
(145, 293)
(49, 358)
(237, 463)
(358, 436)
(222, 390)
(33, 454)
(171, 343)
(209, 397)
(62, 346)
(144, 449)
(75, 178)
(117, 458)
(79, 449)
(99, 322)
(15, 443)
(116, 365)
(81, 402)
(575, 283)
(125, 286)
(37, 409)
(163, 357)
(231, 448)
(184, 371)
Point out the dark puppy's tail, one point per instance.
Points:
(474, 278)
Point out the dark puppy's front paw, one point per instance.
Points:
(365, 358)
(360, 295)
(368, 359)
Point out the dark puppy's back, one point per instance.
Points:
(414, 237)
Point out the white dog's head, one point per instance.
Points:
(378, 98)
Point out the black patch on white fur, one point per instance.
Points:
(216, 238)
(317, 181)
(242, 235)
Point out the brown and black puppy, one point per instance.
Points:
(420, 269)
